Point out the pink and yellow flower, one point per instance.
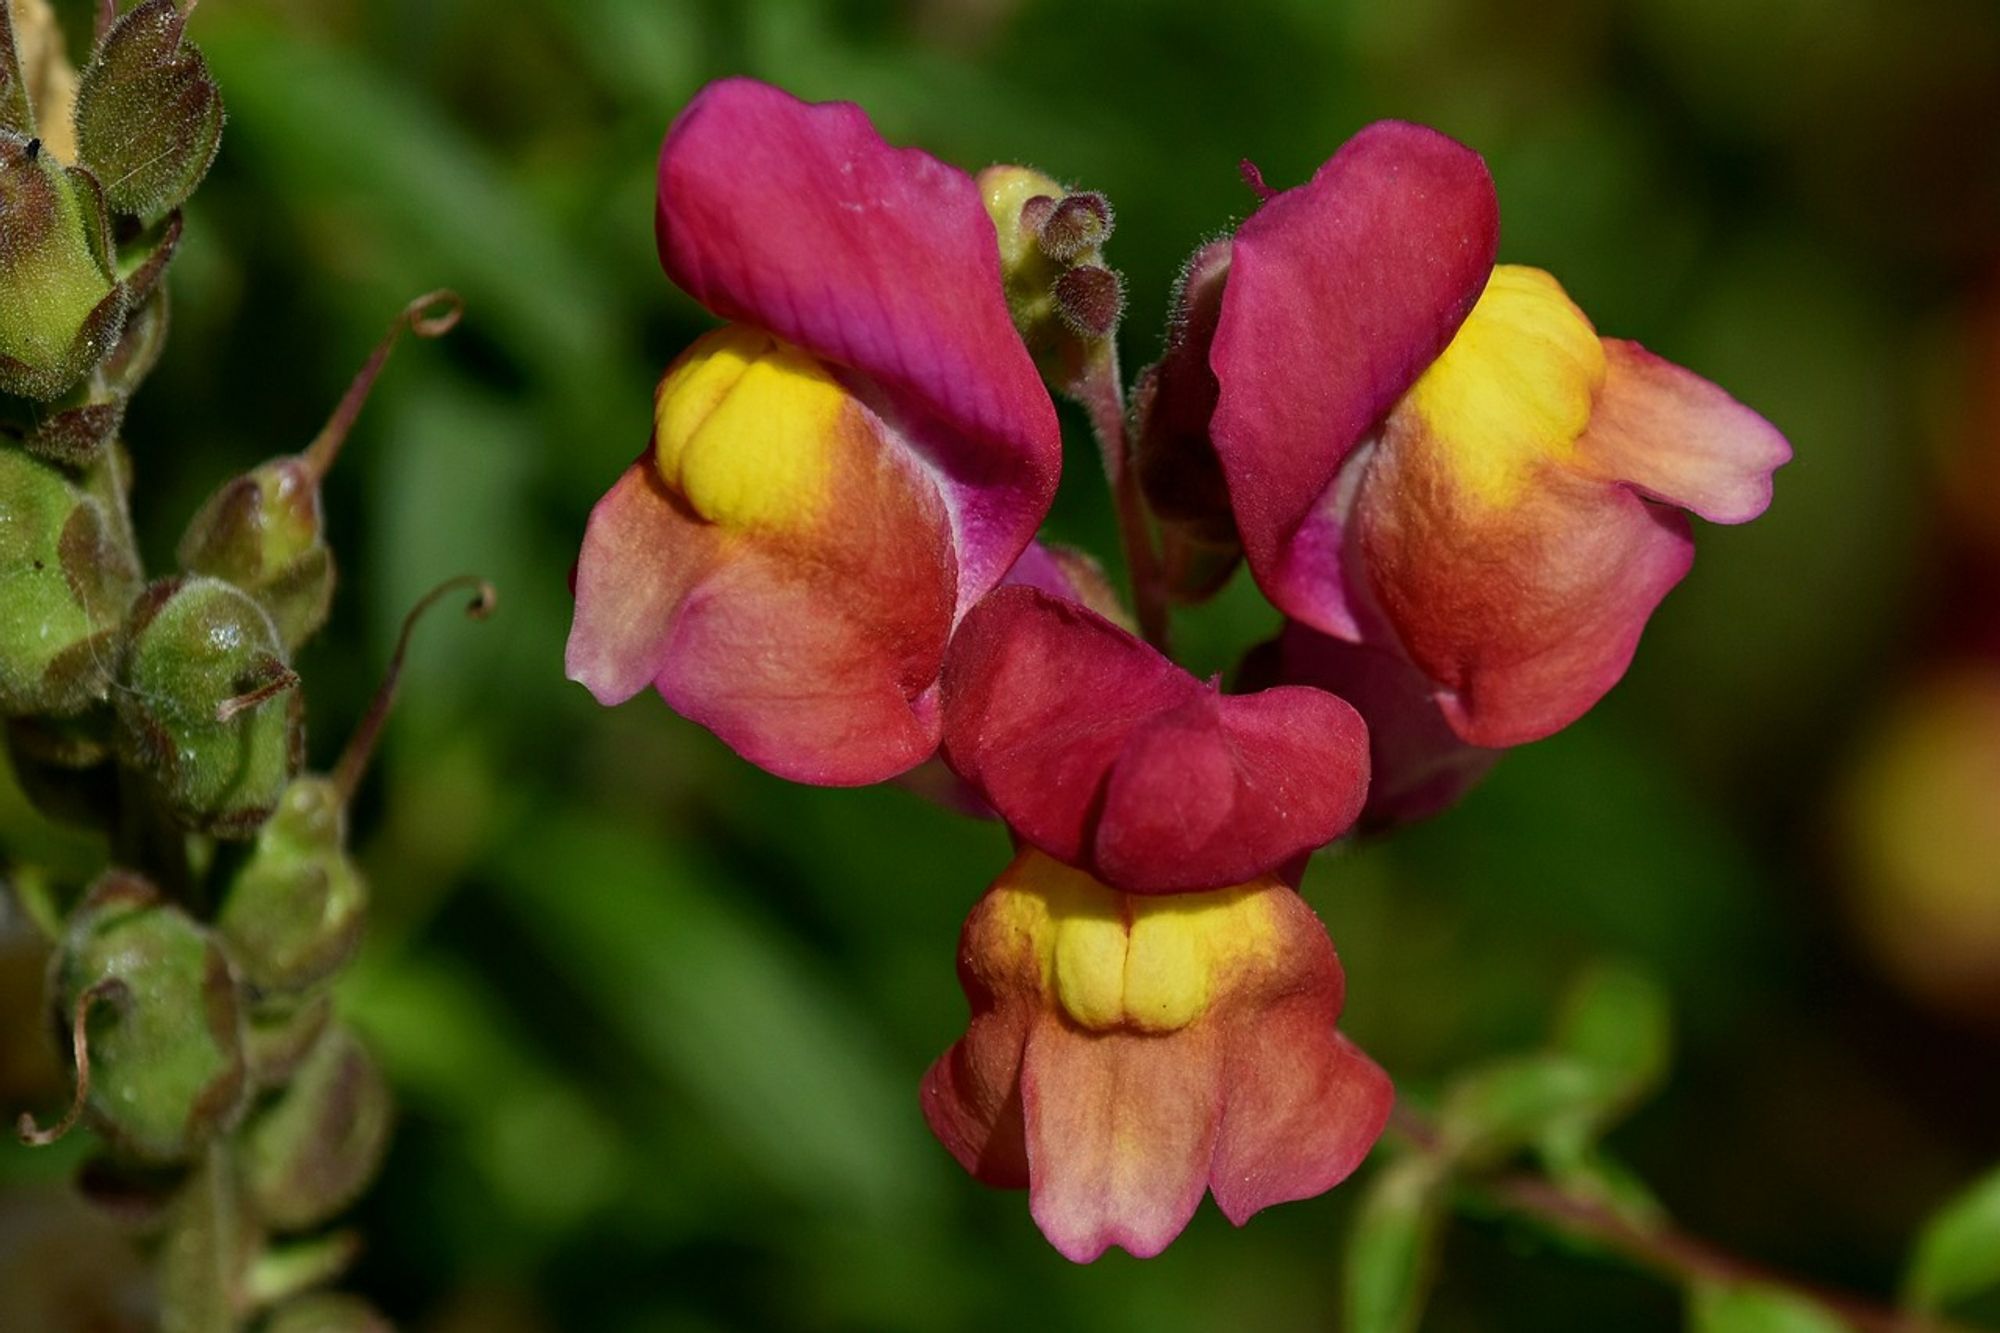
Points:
(1101, 752)
(1442, 457)
(1128, 1053)
(837, 475)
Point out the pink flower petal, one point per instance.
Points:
(799, 219)
(1121, 1128)
(641, 554)
(1305, 1107)
(1675, 437)
(1340, 293)
(811, 647)
(1104, 754)
(1521, 615)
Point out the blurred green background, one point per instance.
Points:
(656, 1020)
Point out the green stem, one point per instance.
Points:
(1659, 1247)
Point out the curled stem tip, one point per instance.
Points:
(431, 315)
(107, 14)
(360, 749)
(281, 678)
(110, 988)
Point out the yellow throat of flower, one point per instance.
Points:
(1515, 386)
(745, 428)
(1136, 962)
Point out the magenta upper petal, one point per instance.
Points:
(1340, 293)
(1101, 752)
(799, 219)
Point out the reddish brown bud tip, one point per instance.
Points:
(431, 315)
(1090, 300)
(1077, 225)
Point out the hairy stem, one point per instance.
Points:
(1102, 395)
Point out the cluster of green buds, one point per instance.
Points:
(193, 982)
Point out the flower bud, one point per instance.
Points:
(1065, 302)
(1089, 300)
(1079, 224)
(66, 574)
(265, 530)
(1178, 467)
(294, 913)
(207, 706)
(313, 1150)
(61, 305)
(158, 1026)
(279, 1033)
(148, 117)
(74, 429)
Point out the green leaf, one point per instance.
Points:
(1616, 1021)
(1584, 1171)
(1719, 1308)
(1391, 1245)
(1500, 1108)
(1958, 1254)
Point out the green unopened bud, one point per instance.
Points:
(157, 1027)
(148, 116)
(61, 305)
(1065, 302)
(66, 575)
(328, 1313)
(75, 429)
(294, 913)
(311, 1152)
(279, 1034)
(207, 706)
(265, 530)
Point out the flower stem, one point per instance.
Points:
(1658, 1246)
(1102, 395)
